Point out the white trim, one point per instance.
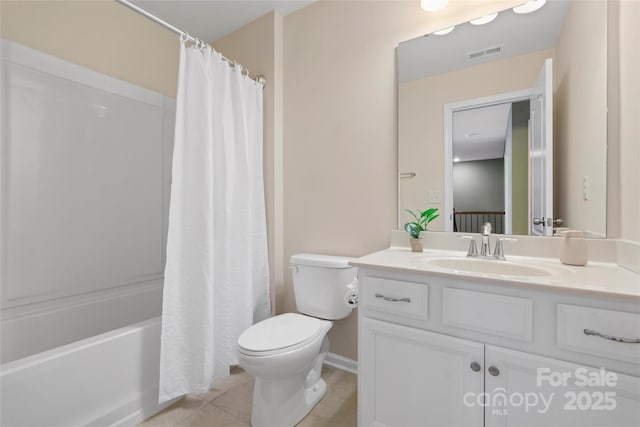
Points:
(342, 363)
(27, 57)
(449, 109)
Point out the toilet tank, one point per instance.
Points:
(320, 283)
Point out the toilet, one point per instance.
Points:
(285, 353)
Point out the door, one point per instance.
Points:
(410, 377)
(541, 153)
(526, 390)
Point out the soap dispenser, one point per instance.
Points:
(574, 248)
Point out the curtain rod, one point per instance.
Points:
(258, 78)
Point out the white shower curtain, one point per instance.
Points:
(216, 275)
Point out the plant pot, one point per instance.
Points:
(416, 244)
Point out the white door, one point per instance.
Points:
(410, 377)
(524, 390)
(541, 153)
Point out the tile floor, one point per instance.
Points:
(228, 404)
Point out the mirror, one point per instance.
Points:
(464, 94)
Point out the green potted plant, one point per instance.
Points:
(420, 224)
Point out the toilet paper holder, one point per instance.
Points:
(351, 296)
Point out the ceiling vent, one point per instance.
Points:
(490, 51)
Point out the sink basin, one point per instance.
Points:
(488, 266)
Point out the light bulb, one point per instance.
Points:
(529, 7)
(433, 5)
(444, 31)
(484, 20)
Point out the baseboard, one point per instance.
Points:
(342, 363)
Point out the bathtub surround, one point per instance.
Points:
(79, 241)
(217, 274)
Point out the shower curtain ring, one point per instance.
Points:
(184, 37)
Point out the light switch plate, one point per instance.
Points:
(434, 197)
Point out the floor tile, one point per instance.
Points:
(211, 416)
(228, 404)
(238, 376)
(237, 401)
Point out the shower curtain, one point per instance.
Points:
(216, 275)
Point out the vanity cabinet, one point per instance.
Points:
(435, 351)
(417, 378)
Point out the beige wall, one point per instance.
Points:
(420, 121)
(629, 154)
(340, 149)
(580, 110)
(258, 47)
(101, 35)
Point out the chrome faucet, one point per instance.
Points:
(485, 246)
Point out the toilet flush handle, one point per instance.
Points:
(294, 268)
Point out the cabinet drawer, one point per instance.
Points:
(493, 314)
(574, 320)
(406, 299)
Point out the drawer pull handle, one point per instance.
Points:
(386, 298)
(612, 338)
(494, 371)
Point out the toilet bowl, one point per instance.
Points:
(285, 353)
(288, 377)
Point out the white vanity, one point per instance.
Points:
(449, 341)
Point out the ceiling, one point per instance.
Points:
(210, 20)
(480, 133)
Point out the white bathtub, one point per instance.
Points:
(106, 380)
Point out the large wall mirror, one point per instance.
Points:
(505, 122)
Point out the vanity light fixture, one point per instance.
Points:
(529, 7)
(433, 5)
(484, 20)
(444, 31)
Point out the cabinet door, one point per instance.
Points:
(413, 378)
(526, 390)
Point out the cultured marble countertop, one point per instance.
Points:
(594, 278)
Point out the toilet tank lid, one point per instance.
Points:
(316, 260)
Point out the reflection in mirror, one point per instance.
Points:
(444, 80)
(490, 167)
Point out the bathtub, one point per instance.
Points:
(109, 379)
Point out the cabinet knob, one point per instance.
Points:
(494, 371)
(475, 366)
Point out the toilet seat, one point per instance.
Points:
(279, 334)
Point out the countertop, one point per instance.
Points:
(595, 278)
